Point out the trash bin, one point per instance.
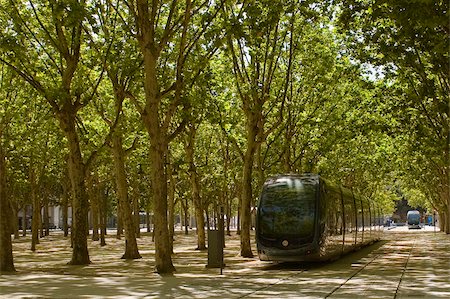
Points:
(215, 248)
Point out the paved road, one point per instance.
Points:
(406, 264)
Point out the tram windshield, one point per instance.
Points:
(287, 207)
(413, 217)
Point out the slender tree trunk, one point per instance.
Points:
(195, 189)
(35, 220)
(136, 216)
(171, 207)
(119, 232)
(147, 219)
(103, 216)
(65, 212)
(93, 192)
(24, 221)
(131, 248)
(185, 208)
(65, 202)
(226, 200)
(446, 182)
(46, 219)
(6, 253)
(15, 220)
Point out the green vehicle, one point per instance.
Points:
(303, 217)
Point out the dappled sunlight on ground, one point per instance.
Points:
(405, 264)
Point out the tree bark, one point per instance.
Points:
(136, 216)
(36, 205)
(195, 189)
(103, 216)
(15, 220)
(93, 192)
(253, 111)
(24, 221)
(65, 204)
(131, 248)
(46, 218)
(158, 149)
(6, 253)
(246, 250)
(80, 206)
(163, 258)
(171, 207)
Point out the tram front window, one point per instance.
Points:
(287, 208)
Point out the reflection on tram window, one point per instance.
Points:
(288, 207)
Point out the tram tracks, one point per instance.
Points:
(352, 276)
(404, 269)
(382, 271)
(268, 286)
(378, 258)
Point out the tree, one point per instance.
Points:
(43, 44)
(195, 185)
(6, 260)
(166, 36)
(408, 41)
(260, 43)
(122, 65)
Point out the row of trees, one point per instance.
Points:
(197, 102)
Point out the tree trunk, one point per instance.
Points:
(119, 232)
(131, 248)
(136, 216)
(65, 213)
(185, 208)
(65, 203)
(24, 221)
(147, 220)
(252, 128)
(80, 205)
(36, 205)
(157, 155)
(93, 192)
(195, 189)
(246, 250)
(6, 253)
(446, 183)
(163, 258)
(103, 216)
(15, 220)
(171, 208)
(46, 219)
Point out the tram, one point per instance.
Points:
(413, 219)
(304, 217)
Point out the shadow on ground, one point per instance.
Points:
(405, 264)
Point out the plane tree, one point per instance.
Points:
(407, 44)
(261, 48)
(44, 44)
(167, 36)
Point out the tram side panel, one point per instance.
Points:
(332, 233)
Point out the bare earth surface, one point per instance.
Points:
(405, 264)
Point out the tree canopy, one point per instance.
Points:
(176, 106)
